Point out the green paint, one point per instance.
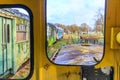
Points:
(19, 48)
(14, 60)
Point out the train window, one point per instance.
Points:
(16, 55)
(75, 31)
(21, 30)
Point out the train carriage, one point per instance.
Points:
(14, 40)
(54, 33)
(51, 33)
(43, 68)
(59, 33)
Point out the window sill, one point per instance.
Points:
(22, 41)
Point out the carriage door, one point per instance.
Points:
(6, 46)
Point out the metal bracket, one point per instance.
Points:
(114, 42)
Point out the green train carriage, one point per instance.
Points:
(14, 40)
(51, 34)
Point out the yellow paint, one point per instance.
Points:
(115, 38)
(112, 56)
(56, 72)
(118, 37)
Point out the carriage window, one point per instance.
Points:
(21, 30)
(21, 33)
(75, 31)
(15, 40)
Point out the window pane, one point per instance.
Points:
(75, 31)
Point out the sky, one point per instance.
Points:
(70, 12)
(22, 10)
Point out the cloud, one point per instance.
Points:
(73, 11)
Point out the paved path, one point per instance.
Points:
(76, 54)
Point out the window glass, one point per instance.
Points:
(15, 53)
(75, 31)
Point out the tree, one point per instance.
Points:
(99, 22)
(74, 28)
(85, 27)
(69, 28)
(64, 27)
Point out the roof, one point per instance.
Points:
(15, 12)
(55, 26)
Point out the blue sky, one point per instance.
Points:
(73, 11)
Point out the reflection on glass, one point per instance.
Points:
(14, 43)
(75, 31)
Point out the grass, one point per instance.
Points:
(52, 49)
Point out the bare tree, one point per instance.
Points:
(99, 21)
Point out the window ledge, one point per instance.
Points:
(22, 41)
